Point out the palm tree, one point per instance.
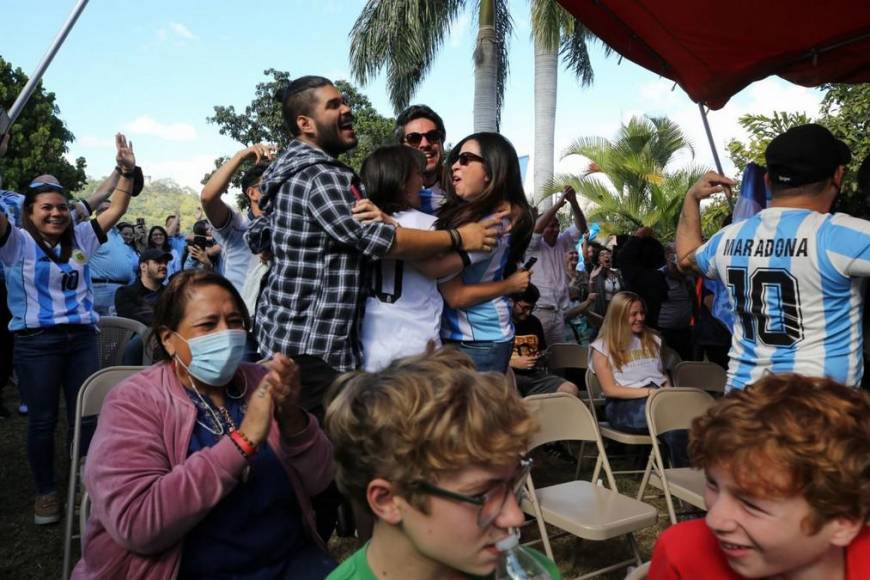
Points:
(638, 189)
(403, 37)
(554, 31)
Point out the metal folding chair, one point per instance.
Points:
(703, 375)
(88, 404)
(115, 333)
(582, 508)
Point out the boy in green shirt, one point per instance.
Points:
(433, 450)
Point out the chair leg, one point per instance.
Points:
(70, 515)
(646, 473)
(632, 542)
(597, 471)
(580, 459)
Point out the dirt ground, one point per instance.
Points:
(35, 552)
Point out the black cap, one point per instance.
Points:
(805, 154)
(155, 254)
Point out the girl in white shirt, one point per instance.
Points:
(627, 359)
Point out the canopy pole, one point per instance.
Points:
(710, 138)
(22, 99)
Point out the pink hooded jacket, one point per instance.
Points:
(147, 493)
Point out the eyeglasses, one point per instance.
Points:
(467, 157)
(415, 139)
(492, 501)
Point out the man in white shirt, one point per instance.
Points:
(551, 248)
(241, 267)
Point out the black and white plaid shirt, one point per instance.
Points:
(316, 290)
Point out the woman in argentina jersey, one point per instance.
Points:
(50, 297)
(403, 312)
(485, 179)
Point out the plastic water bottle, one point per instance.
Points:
(517, 563)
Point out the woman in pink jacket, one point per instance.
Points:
(202, 466)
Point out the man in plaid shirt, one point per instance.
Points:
(312, 303)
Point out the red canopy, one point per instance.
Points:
(714, 48)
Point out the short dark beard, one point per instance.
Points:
(329, 139)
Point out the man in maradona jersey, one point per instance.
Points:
(421, 128)
(795, 272)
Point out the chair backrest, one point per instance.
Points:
(593, 385)
(561, 417)
(704, 375)
(115, 333)
(95, 388)
(675, 408)
(670, 358)
(567, 355)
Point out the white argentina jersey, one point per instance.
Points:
(795, 281)
(490, 320)
(42, 292)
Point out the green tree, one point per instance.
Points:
(159, 198)
(402, 37)
(762, 129)
(638, 190)
(845, 110)
(39, 138)
(261, 122)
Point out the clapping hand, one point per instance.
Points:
(125, 158)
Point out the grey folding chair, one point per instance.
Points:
(670, 358)
(669, 410)
(115, 333)
(88, 404)
(567, 355)
(593, 391)
(581, 508)
(703, 375)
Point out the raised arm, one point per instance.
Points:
(104, 190)
(216, 211)
(689, 237)
(579, 216)
(126, 160)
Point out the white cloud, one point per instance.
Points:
(182, 31)
(145, 125)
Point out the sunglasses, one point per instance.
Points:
(492, 501)
(48, 186)
(467, 157)
(432, 136)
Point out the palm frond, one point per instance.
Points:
(403, 37)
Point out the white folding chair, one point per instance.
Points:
(704, 375)
(115, 333)
(88, 404)
(670, 410)
(581, 508)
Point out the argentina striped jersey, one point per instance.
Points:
(487, 321)
(795, 284)
(42, 292)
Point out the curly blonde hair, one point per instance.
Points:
(420, 418)
(788, 435)
(616, 332)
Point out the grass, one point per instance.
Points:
(35, 552)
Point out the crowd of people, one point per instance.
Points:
(386, 311)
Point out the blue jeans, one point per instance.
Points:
(48, 360)
(104, 298)
(487, 355)
(629, 415)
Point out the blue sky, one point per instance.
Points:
(155, 69)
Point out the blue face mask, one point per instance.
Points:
(215, 357)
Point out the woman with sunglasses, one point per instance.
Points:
(485, 180)
(51, 299)
(159, 239)
(203, 466)
(433, 451)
